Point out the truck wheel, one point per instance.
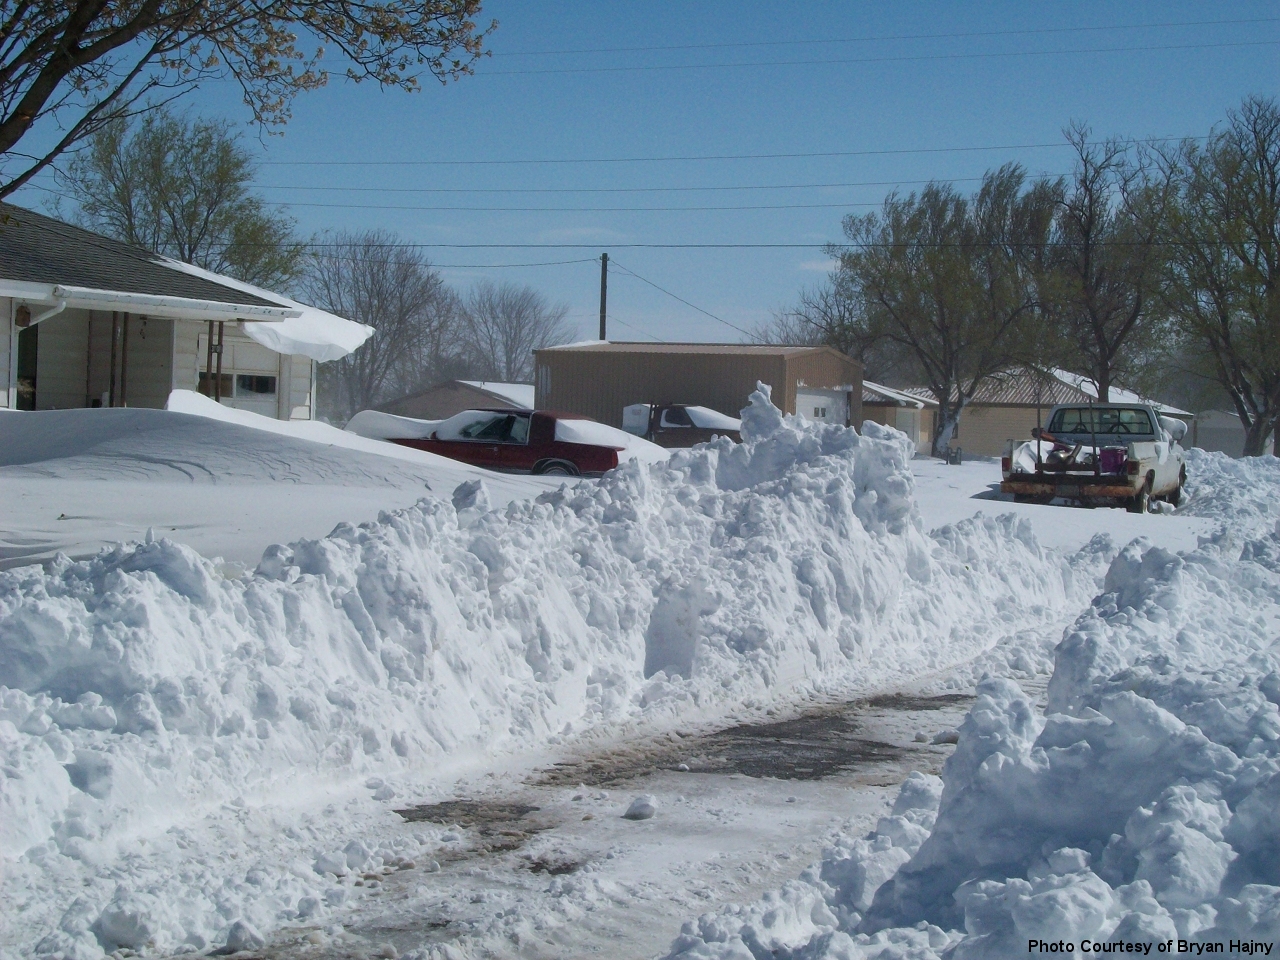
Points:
(1141, 501)
(1176, 497)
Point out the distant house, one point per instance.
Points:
(913, 415)
(1220, 430)
(598, 378)
(87, 321)
(1009, 404)
(453, 396)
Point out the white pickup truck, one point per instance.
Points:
(1099, 454)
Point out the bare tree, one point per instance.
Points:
(373, 278)
(1222, 280)
(1106, 261)
(505, 324)
(181, 187)
(952, 279)
(834, 315)
(69, 66)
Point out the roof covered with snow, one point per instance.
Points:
(878, 394)
(1026, 387)
(44, 260)
(521, 394)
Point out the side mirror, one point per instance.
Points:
(1177, 429)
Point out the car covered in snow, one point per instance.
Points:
(1099, 454)
(679, 424)
(514, 441)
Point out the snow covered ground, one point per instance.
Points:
(224, 482)
(196, 755)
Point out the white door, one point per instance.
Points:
(824, 406)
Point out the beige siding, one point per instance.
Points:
(6, 338)
(984, 429)
(61, 353)
(149, 376)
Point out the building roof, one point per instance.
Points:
(1027, 387)
(521, 394)
(714, 349)
(38, 249)
(875, 393)
(43, 260)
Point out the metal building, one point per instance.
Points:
(599, 378)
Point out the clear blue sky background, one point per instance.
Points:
(901, 87)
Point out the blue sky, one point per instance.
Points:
(918, 77)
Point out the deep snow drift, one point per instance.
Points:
(1139, 807)
(170, 731)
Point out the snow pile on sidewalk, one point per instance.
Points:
(1138, 808)
(169, 732)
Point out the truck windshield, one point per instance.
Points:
(1101, 420)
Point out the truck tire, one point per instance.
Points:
(1175, 498)
(1141, 501)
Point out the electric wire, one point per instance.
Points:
(680, 298)
(890, 37)
(904, 151)
(901, 58)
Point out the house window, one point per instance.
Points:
(819, 413)
(243, 386)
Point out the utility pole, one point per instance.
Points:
(604, 290)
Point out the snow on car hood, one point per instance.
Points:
(709, 419)
(629, 446)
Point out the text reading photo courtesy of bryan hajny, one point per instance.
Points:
(1194, 948)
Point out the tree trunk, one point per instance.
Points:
(1255, 437)
(948, 420)
(1275, 437)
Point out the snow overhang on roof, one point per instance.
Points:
(896, 396)
(307, 331)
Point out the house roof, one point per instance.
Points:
(38, 249)
(43, 260)
(716, 349)
(520, 394)
(1026, 387)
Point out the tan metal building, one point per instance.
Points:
(598, 378)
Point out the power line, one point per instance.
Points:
(644, 333)
(1060, 144)
(681, 299)
(498, 266)
(890, 37)
(904, 58)
(441, 209)
(763, 186)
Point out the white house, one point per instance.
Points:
(87, 321)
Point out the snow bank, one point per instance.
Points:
(1138, 808)
(188, 755)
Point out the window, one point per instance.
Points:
(243, 386)
(1101, 420)
(676, 417)
(253, 385)
(494, 426)
(819, 413)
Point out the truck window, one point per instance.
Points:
(676, 417)
(1109, 421)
